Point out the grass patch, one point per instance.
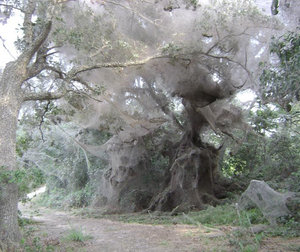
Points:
(26, 221)
(220, 215)
(289, 229)
(77, 236)
(245, 241)
(33, 242)
(224, 215)
(212, 216)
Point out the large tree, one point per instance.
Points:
(118, 51)
(28, 79)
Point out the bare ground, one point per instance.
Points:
(52, 226)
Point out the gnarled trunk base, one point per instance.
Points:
(127, 185)
(192, 180)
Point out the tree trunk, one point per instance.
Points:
(194, 170)
(10, 102)
(11, 98)
(9, 230)
(191, 183)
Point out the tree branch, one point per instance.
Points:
(82, 69)
(227, 37)
(134, 11)
(235, 62)
(42, 119)
(164, 106)
(3, 44)
(44, 96)
(61, 74)
(27, 24)
(34, 70)
(12, 7)
(27, 55)
(38, 67)
(86, 94)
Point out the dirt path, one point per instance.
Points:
(116, 236)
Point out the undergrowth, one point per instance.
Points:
(34, 241)
(77, 236)
(212, 216)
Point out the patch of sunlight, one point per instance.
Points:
(36, 192)
(246, 96)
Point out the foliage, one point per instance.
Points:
(270, 152)
(81, 198)
(273, 155)
(33, 243)
(280, 82)
(212, 216)
(288, 228)
(224, 215)
(23, 141)
(25, 179)
(70, 173)
(243, 240)
(265, 119)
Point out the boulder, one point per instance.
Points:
(272, 204)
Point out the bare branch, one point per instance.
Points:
(82, 69)
(65, 1)
(3, 44)
(84, 83)
(42, 119)
(233, 61)
(131, 9)
(12, 7)
(85, 93)
(243, 33)
(61, 74)
(164, 106)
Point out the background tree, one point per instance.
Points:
(271, 153)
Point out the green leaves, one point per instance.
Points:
(265, 119)
(287, 47)
(16, 177)
(171, 49)
(280, 81)
(25, 179)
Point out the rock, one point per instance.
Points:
(293, 204)
(255, 229)
(258, 228)
(271, 203)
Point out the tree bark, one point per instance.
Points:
(10, 102)
(11, 98)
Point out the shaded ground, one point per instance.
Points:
(52, 226)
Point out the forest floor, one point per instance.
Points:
(55, 230)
